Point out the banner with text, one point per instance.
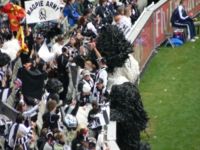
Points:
(42, 10)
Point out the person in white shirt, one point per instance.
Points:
(127, 16)
(17, 127)
(123, 22)
(87, 78)
(100, 93)
(102, 73)
(57, 47)
(26, 111)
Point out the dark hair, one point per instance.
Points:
(64, 49)
(120, 10)
(102, 1)
(8, 35)
(87, 11)
(81, 21)
(68, 2)
(181, 1)
(59, 38)
(95, 104)
(43, 132)
(100, 80)
(51, 105)
(1, 39)
(19, 118)
(4, 59)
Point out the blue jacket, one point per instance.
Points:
(71, 12)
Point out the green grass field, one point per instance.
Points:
(170, 89)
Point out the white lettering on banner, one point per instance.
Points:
(170, 10)
(160, 22)
(34, 6)
(52, 5)
(171, 7)
(42, 10)
(197, 2)
(157, 23)
(190, 5)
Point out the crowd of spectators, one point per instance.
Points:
(75, 77)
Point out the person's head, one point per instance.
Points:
(87, 12)
(21, 106)
(64, 50)
(79, 36)
(100, 84)
(51, 105)
(101, 62)
(127, 11)
(72, 40)
(83, 132)
(120, 10)
(28, 64)
(88, 65)
(92, 144)
(82, 21)
(18, 147)
(4, 60)
(43, 132)
(39, 38)
(95, 105)
(181, 2)
(59, 137)
(49, 136)
(102, 2)
(68, 2)
(86, 75)
(19, 118)
(117, 18)
(60, 40)
(17, 83)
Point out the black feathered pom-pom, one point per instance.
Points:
(113, 46)
(127, 109)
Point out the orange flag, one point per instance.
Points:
(15, 15)
(20, 37)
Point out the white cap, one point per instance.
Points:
(85, 72)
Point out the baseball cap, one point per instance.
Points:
(85, 72)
